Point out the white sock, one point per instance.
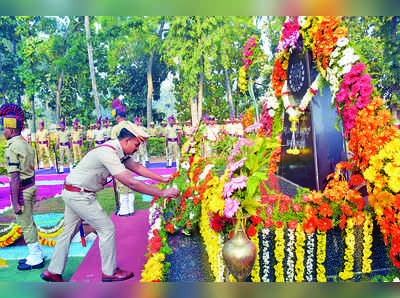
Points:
(123, 204)
(62, 169)
(41, 164)
(35, 254)
(131, 204)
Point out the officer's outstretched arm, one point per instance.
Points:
(143, 171)
(126, 178)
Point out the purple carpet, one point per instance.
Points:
(131, 242)
(50, 183)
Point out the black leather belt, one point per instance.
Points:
(172, 140)
(64, 144)
(27, 181)
(99, 142)
(45, 142)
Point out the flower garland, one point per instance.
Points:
(290, 249)
(279, 253)
(265, 255)
(321, 254)
(250, 53)
(367, 243)
(255, 272)
(310, 257)
(10, 234)
(300, 242)
(348, 273)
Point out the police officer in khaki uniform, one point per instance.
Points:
(79, 195)
(142, 153)
(187, 129)
(172, 142)
(76, 137)
(125, 194)
(90, 132)
(63, 143)
(98, 134)
(107, 129)
(43, 143)
(20, 167)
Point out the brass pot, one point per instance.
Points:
(239, 253)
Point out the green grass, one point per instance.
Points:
(11, 273)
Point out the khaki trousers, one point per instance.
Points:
(25, 220)
(84, 206)
(44, 151)
(173, 151)
(77, 152)
(64, 150)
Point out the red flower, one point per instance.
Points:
(346, 209)
(342, 224)
(251, 231)
(324, 224)
(268, 223)
(356, 180)
(273, 199)
(283, 208)
(170, 228)
(216, 223)
(256, 220)
(296, 207)
(310, 225)
(292, 224)
(325, 210)
(286, 199)
(359, 218)
(310, 211)
(279, 224)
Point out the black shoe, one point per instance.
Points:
(25, 266)
(22, 261)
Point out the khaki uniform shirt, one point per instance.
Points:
(26, 133)
(20, 157)
(187, 130)
(99, 134)
(89, 134)
(76, 135)
(153, 132)
(63, 136)
(171, 132)
(42, 135)
(92, 171)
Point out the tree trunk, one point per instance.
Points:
(149, 88)
(229, 93)
(201, 82)
(58, 97)
(193, 109)
(91, 67)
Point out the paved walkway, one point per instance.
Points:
(131, 240)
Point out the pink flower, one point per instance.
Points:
(249, 61)
(357, 69)
(234, 166)
(236, 183)
(341, 96)
(246, 66)
(231, 206)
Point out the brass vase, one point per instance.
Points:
(239, 253)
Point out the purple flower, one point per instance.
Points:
(236, 183)
(236, 165)
(253, 128)
(231, 206)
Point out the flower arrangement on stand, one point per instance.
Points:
(250, 54)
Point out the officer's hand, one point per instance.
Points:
(18, 209)
(165, 180)
(171, 193)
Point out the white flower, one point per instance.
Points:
(342, 41)
(348, 51)
(271, 113)
(335, 53)
(302, 20)
(345, 70)
(185, 165)
(206, 171)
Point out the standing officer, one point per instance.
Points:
(63, 140)
(79, 195)
(125, 194)
(98, 134)
(26, 134)
(107, 129)
(43, 143)
(172, 142)
(143, 157)
(20, 167)
(187, 129)
(76, 137)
